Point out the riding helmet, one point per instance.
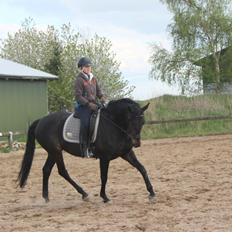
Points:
(84, 61)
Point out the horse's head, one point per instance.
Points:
(130, 117)
(135, 123)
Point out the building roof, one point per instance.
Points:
(13, 70)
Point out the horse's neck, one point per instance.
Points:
(111, 128)
(112, 118)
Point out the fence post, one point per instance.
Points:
(10, 139)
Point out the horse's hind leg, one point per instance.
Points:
(64, 173)
(47, 168)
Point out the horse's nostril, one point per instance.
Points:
(136, 142)
(137, 145)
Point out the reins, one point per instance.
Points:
(116, 125)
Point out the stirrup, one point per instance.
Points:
(89, 154)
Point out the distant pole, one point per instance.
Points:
(10, 139)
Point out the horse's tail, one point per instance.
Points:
(28, 155)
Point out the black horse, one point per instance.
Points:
(119, 130)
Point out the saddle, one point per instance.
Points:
(71, 130)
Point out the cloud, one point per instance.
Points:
(7, 28)
(8, 13)
(43, 11)
(134, 47)
(103, 6)
(147, 89)
(143, 16)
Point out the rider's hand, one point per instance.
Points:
(93, 106)
(103, 100)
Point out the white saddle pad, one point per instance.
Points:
(71, 129)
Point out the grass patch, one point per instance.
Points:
(5, 150)
(181, 107)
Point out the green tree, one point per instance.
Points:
(61, 91)
(57, 51)
(199, 28)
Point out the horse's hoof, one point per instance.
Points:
(45, 196)
(106, 200)
(152, 198)
(85, 197)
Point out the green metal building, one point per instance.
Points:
(208, 71)
(23, 95)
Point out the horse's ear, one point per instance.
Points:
(145, 107)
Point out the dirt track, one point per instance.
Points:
(191, 176)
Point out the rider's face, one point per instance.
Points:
(87, 69)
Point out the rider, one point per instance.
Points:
(87, 91)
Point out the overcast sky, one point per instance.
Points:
(131, 25)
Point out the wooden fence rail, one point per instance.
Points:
(208, 118)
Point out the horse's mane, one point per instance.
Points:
(118, 110)
(121, 103)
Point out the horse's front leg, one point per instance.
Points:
(104, 166)
(131, 158)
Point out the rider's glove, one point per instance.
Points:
(92, 106)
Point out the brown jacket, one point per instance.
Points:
(85, 90)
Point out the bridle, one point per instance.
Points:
(120, 128)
